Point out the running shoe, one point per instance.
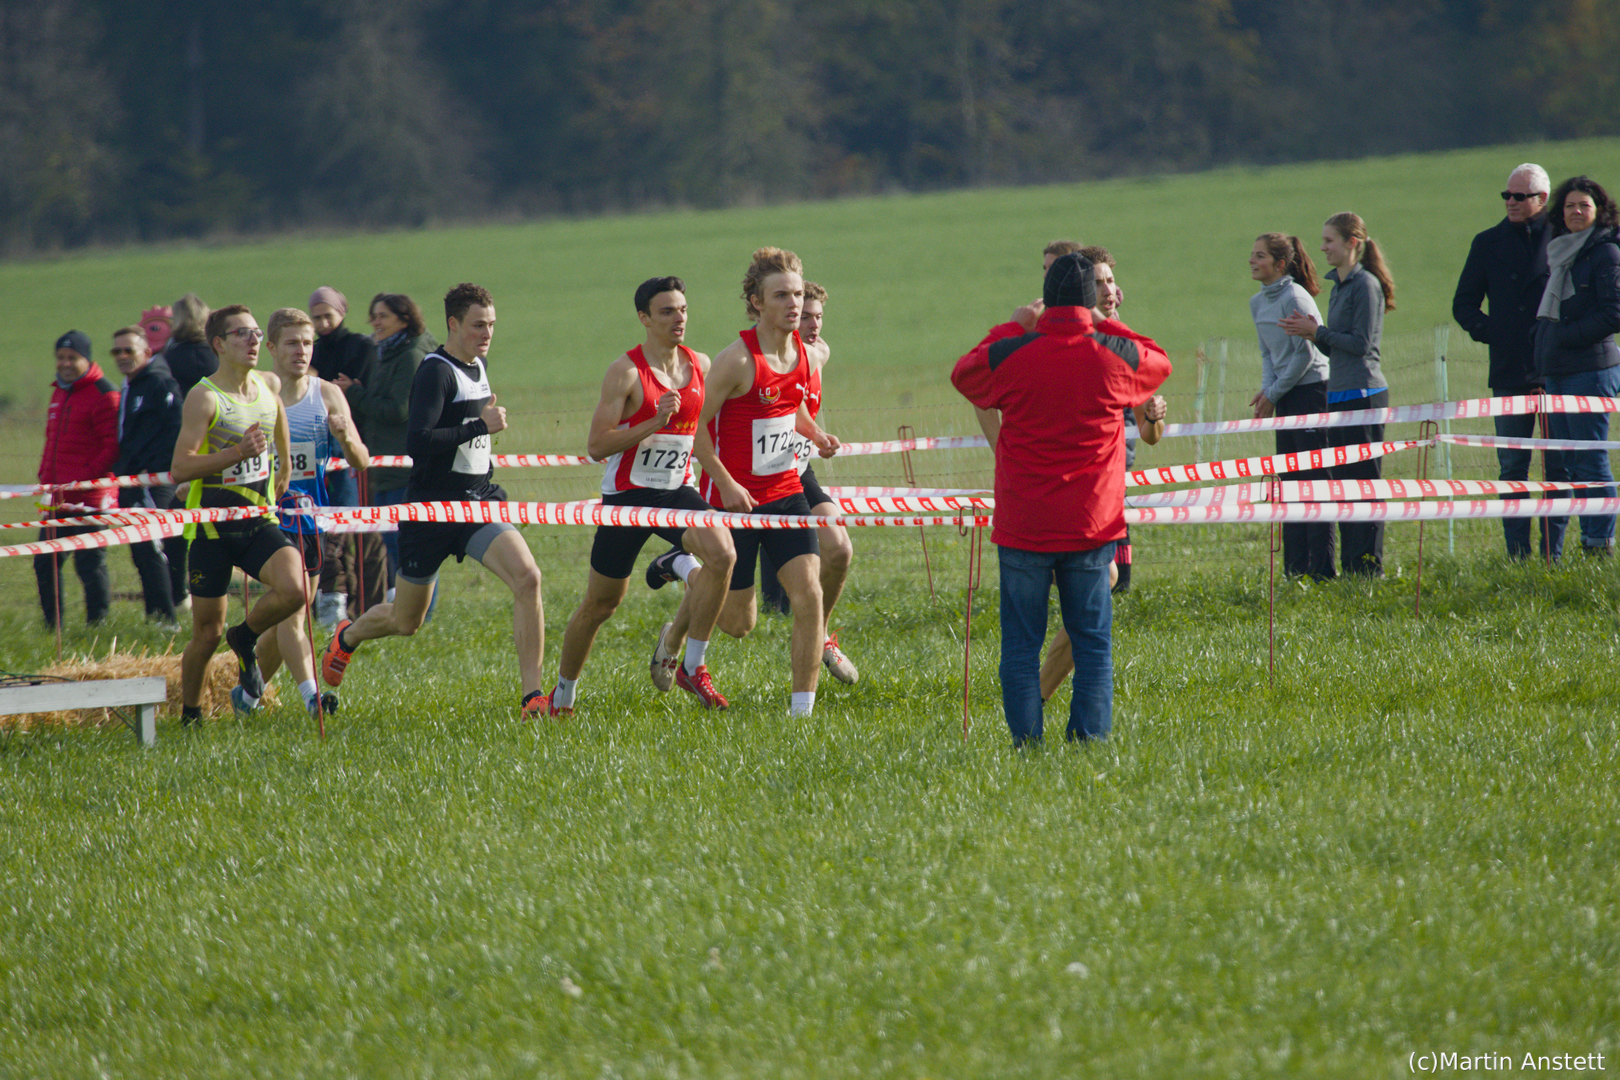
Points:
(562, 712)
(248, 675)
(700, 686)
(664, 663)
(239, 702)
(335, 660)
(536, 704)
(838, 665)
(661, 571)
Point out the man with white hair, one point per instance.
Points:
(1507, 271)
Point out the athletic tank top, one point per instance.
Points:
(754, 434)
(806, 450)
(246, 483)
(465, 467)
(661, 461)
(311, 447)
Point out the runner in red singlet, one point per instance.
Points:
(754, 410)
(643, 427)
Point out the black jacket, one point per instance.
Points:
(346, 352)
(1583, 337)
(1507, 269)
(148, 420)
(190, 362)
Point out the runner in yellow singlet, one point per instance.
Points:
(224, 446)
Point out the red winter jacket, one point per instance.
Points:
(1061, 389)
(81, 438)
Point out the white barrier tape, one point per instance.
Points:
(882, 492)
(1502, 442)
(1468, 409)
(1350, 491)
(1249, 468)
(1264, 513)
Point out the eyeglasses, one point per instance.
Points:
(1521, 196)
(246, 333)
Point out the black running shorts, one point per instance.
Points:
(783, 545)
(249, 547)
(813, 495)
(614, 550)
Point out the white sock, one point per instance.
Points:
(683, 566)
(694, 654)
(563, 696)
(802, 703)
(309, 690)
(252, 702)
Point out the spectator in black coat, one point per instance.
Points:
(1507, 271)
(149, 409)
(188, 354)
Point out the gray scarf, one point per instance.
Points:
(1561, 252)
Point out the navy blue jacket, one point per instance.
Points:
(1583, 337)
(1506, 269)
(148, 420)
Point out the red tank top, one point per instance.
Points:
(807, 449)
(661, 461)
(754, 434)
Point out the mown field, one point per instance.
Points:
(1400, 842)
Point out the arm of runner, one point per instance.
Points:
(283, 451)
(341, 425)
(431, 388)
(198, 413)
(827, 445)
(621, 393)
(726, 380)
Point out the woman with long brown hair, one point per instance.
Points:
(1293, 381)
(1363, 291)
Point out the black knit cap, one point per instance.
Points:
(76, 340)
(1071, 281)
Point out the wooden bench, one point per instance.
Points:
(144, 694)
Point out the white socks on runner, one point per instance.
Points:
(310, 691)
(802, 704)
(563, 696)
(683, 566)
(694, 653)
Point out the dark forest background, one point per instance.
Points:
(134, 120)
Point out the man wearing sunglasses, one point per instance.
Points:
(148, 425)
(233, 436)
(1507, 271)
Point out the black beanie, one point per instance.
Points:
(76, 340)
(1071, 281)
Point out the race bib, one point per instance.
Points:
(805, 452)
(473, 457)
(250, 471)
(304, 464)
(661, 461)
(775, 448)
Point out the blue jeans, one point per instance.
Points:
(1597, 531)
(1088, 616)
(1515, 465)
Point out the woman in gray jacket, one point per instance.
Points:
(1362, 292)
(1293, 381)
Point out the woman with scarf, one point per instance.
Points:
(385, 401)
(1293, 382)
(1574, 338)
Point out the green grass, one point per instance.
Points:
(1402, 840)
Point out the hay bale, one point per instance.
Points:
(217, 685)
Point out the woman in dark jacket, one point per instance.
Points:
(385, 401)
(1574, 336)
(189, 356)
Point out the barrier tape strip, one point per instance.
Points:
(1502, 442)
(1351, 491)
(1267, 464)
(1266, 513)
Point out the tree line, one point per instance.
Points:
(133, 120)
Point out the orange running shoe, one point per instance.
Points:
(700, 686)
(335, 660)
(536, 704)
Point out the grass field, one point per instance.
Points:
(1401, 842)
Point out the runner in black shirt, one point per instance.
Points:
(452, 416)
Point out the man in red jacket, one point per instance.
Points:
(1061, 386)
(81, 443)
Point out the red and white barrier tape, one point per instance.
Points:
(1249, 468)
(1349, 491)
(1502, 442)
(1372, 511)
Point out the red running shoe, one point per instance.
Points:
(700, 686)
(335, 660)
